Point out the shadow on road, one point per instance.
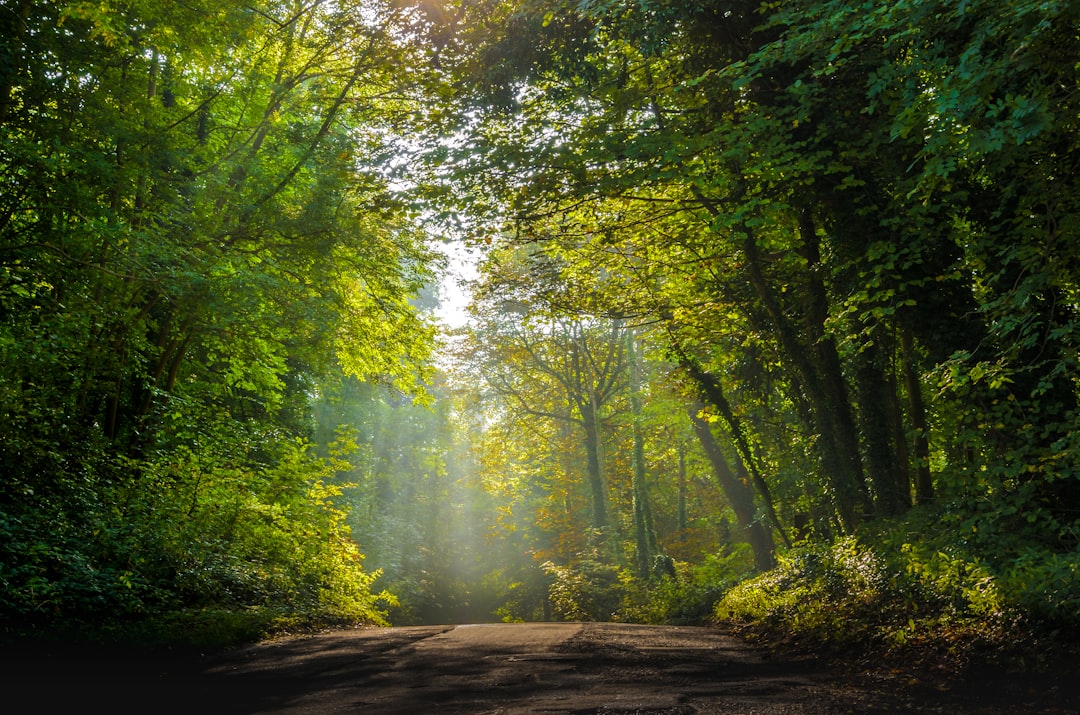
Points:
(496, 668)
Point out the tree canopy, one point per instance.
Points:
(196, 234)
(845, 226)
(760, 284)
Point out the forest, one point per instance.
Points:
(772, 316)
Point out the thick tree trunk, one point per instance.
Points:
(714, 393)
(837, 467)
(834, 425)
(682, 515)
(593, 466)
(874, 403)
(839, 412)
(11, 51)
(902, 465)
(924, 485)
(738, 494)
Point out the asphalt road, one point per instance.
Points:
(523, 668)
(495, 668)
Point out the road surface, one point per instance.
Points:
(496, 668)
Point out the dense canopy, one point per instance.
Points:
(781, 288)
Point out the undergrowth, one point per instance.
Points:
(913, 589)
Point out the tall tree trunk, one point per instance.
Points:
(565, 458)
(644, 541)
(924, 485)
(836, 439)
(738, 494)
(876, 428)
(143, 178)
(593, 464)
(902, 465)
(843, 484)
(839, 413)
(714, 393)
(682, 515)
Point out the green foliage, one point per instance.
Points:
(689, 597)
(588, 591)
(592, 591)
(854, 219)
(907, 585)
(195, 238)
(269, 536)
(525, 599)
(847, 226)
(197, 532)
(1044, 584)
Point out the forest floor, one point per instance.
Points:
(578, 668)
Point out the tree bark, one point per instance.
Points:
(738, 494)
(902, 465)
(10, 53)
(837, 440)
(644, 541)
(876, 429)
(835, 466)
(714, 392)
(924, 485)
(682, 515)
(591, 425)
(839, 414)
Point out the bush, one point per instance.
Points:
(171, 545)
(1045, 585)
(830, 593)
(911, 584)
(590, 591)
(688, 597)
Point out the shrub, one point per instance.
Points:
(589, 591)
(688, 597)
(852, 594)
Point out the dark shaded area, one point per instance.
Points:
(506, 668)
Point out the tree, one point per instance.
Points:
(828, 192)
(582, 362)
(644, 531)
(191, 240)
(738, 492)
